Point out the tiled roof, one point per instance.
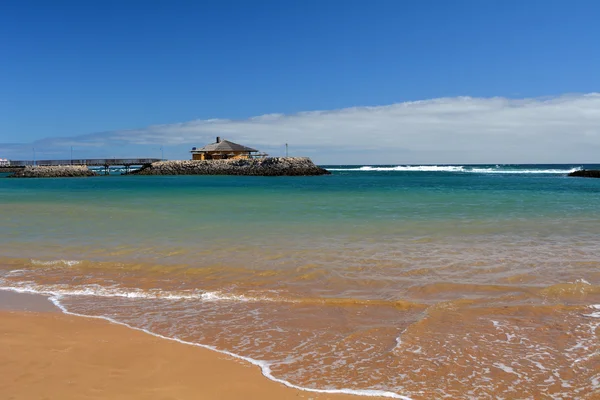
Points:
(224, 145)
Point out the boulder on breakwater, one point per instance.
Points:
(586, 173)
(270, 166)
(58, 171)
(10, 170)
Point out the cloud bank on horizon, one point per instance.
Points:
(444, 130)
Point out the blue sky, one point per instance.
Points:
(123, 78)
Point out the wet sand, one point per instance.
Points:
(49, 355)
(11, 301)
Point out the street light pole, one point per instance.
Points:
(286, 150)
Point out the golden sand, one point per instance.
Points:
(56, 356)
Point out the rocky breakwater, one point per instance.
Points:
(10, 170)
(586, 173)
(271, 166)
(58, 171)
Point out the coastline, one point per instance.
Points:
(72, 357)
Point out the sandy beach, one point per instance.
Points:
(50, 355)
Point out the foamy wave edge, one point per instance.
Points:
(595, 314)
(264, 366)
(114, 291)
(455, 168)
(52, 263)
(98, 291)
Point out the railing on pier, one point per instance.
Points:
(92, 162)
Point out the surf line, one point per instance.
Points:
(264, 366)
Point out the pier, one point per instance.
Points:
(127, 163)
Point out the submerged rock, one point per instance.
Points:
(58, 171)
(586, 173)
(271, 166)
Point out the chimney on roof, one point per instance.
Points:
(218, 139)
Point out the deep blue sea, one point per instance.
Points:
(407, 281)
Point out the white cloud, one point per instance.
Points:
(445, 130)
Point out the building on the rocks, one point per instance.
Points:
(4, 162)
(224, 149)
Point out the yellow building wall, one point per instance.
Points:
(219, 155)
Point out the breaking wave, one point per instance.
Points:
(116, 291)
(499, 169)
(128, 293)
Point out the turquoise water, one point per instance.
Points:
(137, 211)
(357, 264)
(154, 217)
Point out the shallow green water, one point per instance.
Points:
(204, 211)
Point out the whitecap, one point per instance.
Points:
(455, 168)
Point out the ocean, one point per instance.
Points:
(404, 281)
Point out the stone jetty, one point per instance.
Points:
(10, 170)
(270, 166)
(58, 171)
(586, 173)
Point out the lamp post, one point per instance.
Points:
(286, 150)
(33, 156)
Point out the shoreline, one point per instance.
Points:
(32, 333)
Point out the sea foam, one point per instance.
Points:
(129, 293)
(57, 263)
(454, 168)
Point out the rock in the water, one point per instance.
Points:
(271, 166)
(586, 173)
(59, 171)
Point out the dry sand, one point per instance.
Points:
(49, 355)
